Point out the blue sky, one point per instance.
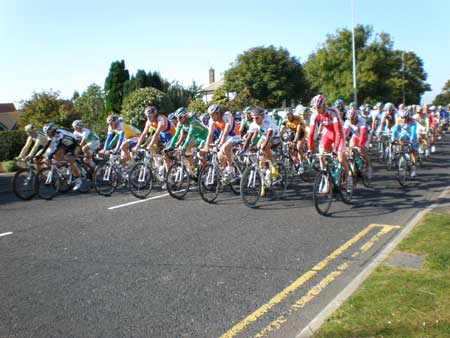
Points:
(66, 46)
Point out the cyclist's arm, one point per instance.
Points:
(414, 135)
(156, 134)
(175, 137)
(142, 137)
(35, 148)
(119, 141)
(224, 134)
(395, 132)
(26, 147)
(210, 133)
(107, 144)
(338, 135)
(312, 129)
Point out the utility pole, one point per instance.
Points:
(403, 75)
(355, 95)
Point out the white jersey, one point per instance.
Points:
(268, 123)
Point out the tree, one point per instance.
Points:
(220, 97)
(176, 96)
(266, 76)
(48, 106)
(114, 86)
(91, 106)
(75, 95)
(379, 71)
(443, 98)
(198, 106)
(134, 104)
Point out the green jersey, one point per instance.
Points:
(195, 130)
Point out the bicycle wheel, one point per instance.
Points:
(235, 183)
(323, 193)
(380, 152)
(86, 177)
(105, 179)
(251, 186)
(178, 181)
(209, 183)
(346, 194)
(388, 158)
(141, 180)
(47, 183)
(403, 171)
(366, 179)
(279, 183)
(22, 184)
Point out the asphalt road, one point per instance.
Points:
(72, 267)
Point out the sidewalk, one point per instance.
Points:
(407, 294)
(5, 182)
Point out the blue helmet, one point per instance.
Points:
(181, 112)
(214, 108)
(339, 104)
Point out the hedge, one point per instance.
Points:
(11, 142)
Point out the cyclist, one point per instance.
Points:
(229, 134)
(376, 115)
(295, 126)
(126, 140)
(423, 125)
(276, 117)
(61, 142)
(387, 119)
(339, 105)
(189, 129)
(406, 129)
(356, 127)
(332, 133)
(88, 140)
(246, 121)
(429, 113)
(35, 138)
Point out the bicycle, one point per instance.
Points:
(328, 182)
(109, 175)
(22, 183)
(384, 155)
(255, 181)
(404, 163)
(359, 166)
(179, 174)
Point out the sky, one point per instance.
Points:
(67, 46)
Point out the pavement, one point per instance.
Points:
(90, 266)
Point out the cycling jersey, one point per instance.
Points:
(195, 131)
(40, 141)
(358, 132)
(407, 131)
(226, 120)
(125, 131)
(294, 123)
(332, 131)
(267, 123)
(61, 138)
(167, 128)
(389, 122)
(87, 135)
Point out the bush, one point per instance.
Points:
(11, 143)
(8, 166)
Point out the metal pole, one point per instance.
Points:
(403, 75)
(355, 97)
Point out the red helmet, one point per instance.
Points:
(318, 101)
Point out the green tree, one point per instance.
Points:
(134, 104)
(176, 96)
(266, 76)
(196, 91)
(114, 86)
(379, 71)
(443, 99)
(91, 106)
(220, 97)
(48, 106)
(198, 105)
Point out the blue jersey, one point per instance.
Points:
(407, 131)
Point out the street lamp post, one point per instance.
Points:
(355, 96)
(403, 76)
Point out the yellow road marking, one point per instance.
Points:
(303, 279)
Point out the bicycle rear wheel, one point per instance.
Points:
(279, 183)
(141, 180)
(209, 183)
(105, 179)
(47, 183)
(86, 177)
(235, 183)
(251, 186)
(178, 181)
(23, 184)
(347, 194)
(323, 193)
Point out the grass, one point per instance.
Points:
(8, 166)
(394, 302)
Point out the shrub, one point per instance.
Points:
(8, 166)
(11, 142)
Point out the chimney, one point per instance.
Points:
(211, 75)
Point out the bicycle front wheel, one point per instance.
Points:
(141, 180)
(23, 184)
(47, 183)
(251, 186)
(403, 171)
(105, 179)
(323, 193)
(279, 183)
(178, 181)
(209, 183)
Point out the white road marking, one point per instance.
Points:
(6, 234)
(136, 202)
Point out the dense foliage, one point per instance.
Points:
(443, 99)
(11, 142)
(91, 106)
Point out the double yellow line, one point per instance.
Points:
(313, 292)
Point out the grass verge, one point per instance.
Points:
(394, 302)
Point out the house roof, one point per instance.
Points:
(8, 115)
(213, 86)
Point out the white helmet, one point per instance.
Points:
(300, 110)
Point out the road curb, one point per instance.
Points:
(320, 318)
(5, 187)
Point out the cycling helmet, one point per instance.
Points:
(258, 112)
(289, 111)
(440, 108)
(214, 108)
(29, 128)
(352, 105)
(49, 127)
(204, 118)
(150, 110)
(229, 112)
(318, 101)
(339, 104)
(77, 124)
(274, 112)
(389, 106)
(300, 109)
(112, 118)
(193, 114)
(379, 105)
(171, 117)
(351, 113)
(238, 115)
(181, 112)
(432, 108)
(247, 110)
(404, 113)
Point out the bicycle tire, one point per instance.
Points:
(18, 183)
(108, 186)
(279, 184)
(41, 185)
(141, 182)
(209, 190)
(323, 193)
(251, 186)
(177, 190)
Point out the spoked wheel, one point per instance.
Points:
(235, 183)
(403, 171)
(388, 158)
(323, 193)
(209, 183)
(23, 184)
(141, 180)
(105, 179)
(380, 153)
(366, 178)
(47, 183)
(347, 194)
(279, 183)
(251, 186)
(178, 181)
(86, 177)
